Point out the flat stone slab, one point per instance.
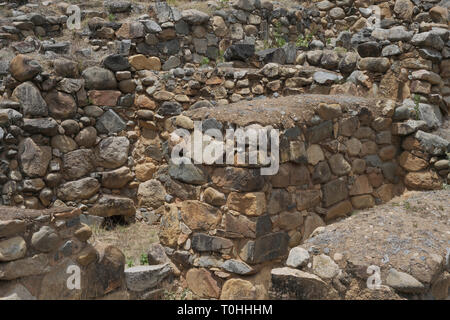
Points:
(141, 278)
(9, 213)
(282, 112)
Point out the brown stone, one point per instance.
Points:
(411, 162)
(329, 111)
(290, 175)
(289, 220)
(362, 202)
(360, 186)
(278, 200)
(312, 222)
(404, 9)
(200, 216)
(24, 68)
(131, 30)
(110, 205)
(387, 153)
(334, 191)
(427, 180)
(61, 105)
(83, 233)
(385, 192)
(201, 282)
(145, 171)
(439, 14)
(307, 199)
(34, 159)
(314, 154)
(375, 179)
(104, 97)
(141, 62)
(117, 178)
(12, 227)
(169, 228)
(252, 204)
(87, 256)
(340, 209)
(238, 289)
(339, 165)
(142, 101)
(238, 226)
(214, 197)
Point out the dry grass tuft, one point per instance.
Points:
(132, 239)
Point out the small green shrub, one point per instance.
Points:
(303, 41)
(144, 259)
(205, 61)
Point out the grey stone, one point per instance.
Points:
(322, 77)
(170, 108)
(110, 122)
(428, 39)
(151, 26)
(237, 267)
(431, 115)
(34, 159)
(195, 17)
(187, 172)
(116, 62)
(45, 126)
(296, 284)
(171, 63)
(325, 267)
(151, 194)
(118, 6)
(265, 248)
(142, 278)
(45, 240)
(390, 50)
(298, 257)
(99, 78)
(432, 144)
(275, 55)
(12, 249)
(78, 189)
(112, 152)
(239, 51)
(31, 100)
(403, 282)
(156, 254)
(203, 242)
(334, 191)
(320, 132)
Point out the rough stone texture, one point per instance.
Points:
(34, 159)
(199, 216)
(142, 278)
(151, 194)
(238, 289)
(108, 206)
(418, 251)
(31, 101)
(201, 282)
(288, 283)
(79, 189)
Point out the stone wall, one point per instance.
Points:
(99, 137)
(337, 154)
(40, 249)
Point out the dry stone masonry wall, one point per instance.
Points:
(40, 249)
(357, 107)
